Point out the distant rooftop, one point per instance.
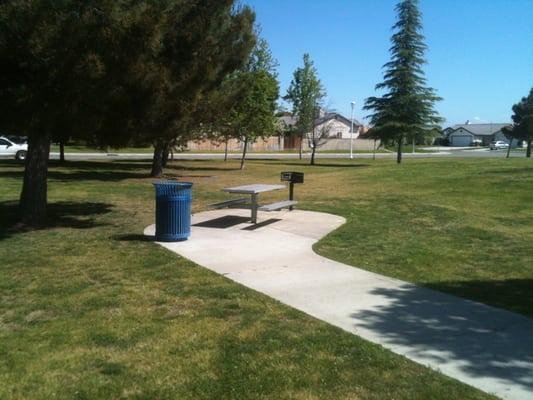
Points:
(481, 129)
(289, 120)
(338, 117)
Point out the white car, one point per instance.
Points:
(499, 144)
(9, 148)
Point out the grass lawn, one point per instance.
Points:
(88, 309)
(463, 227)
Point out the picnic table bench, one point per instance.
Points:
(254, 191)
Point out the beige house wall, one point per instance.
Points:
(273, 143)
(336, 129)
(344, 144)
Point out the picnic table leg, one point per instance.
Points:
(254, 208)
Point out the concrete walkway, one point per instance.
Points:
(482, 346)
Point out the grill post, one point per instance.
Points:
(292, 177)
(291, 193)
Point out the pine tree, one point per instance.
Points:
(405, 111)
(65, 69)
(110, 71)
(206, 41)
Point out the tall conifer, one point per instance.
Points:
(405, 111)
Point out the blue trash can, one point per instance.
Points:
(172, 211)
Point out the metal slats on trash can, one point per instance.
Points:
(172, 211)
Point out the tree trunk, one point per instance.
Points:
(226, 150)
(33, 198)
(61, 151)
(509, 148)
(157, 162)
(413, 145)
(528, 151)
(313, 155)
(374, 152)
(399, 153)
(244, 152)
(301, 145)
(166, 150)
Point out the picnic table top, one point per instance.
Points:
(253, 189)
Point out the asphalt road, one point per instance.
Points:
(275, 156)
(478, 153)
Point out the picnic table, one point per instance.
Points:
(254, 191)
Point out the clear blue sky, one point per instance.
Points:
(480, 56)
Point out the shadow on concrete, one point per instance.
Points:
(486, 342)
(261, 224)
(224, 222)
(60, 214)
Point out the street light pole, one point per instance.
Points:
(351, 131)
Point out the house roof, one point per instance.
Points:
(290, 121)
(338, 117)
(479, 129)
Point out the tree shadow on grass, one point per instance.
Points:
(512, 294)
(482, 341)
(84, 170)
(133, 238)
(80, 175)
(110, 171)
(328, 165)
(124, 165)
(181, 167)
(525, 170)
(77, 215)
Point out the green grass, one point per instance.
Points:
(89, 309)
(463, 227)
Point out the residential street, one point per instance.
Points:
(214, 156)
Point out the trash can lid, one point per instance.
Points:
(164, 188)
(173, 184)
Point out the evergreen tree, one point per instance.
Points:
(106, 70)
(65, 68)
(206, 41)
(305, 93)
(522, 128)
(405, 111)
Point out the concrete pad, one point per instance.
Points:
(485, 347)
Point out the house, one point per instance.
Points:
(286, 137)
(338, 128)
(468, 134)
